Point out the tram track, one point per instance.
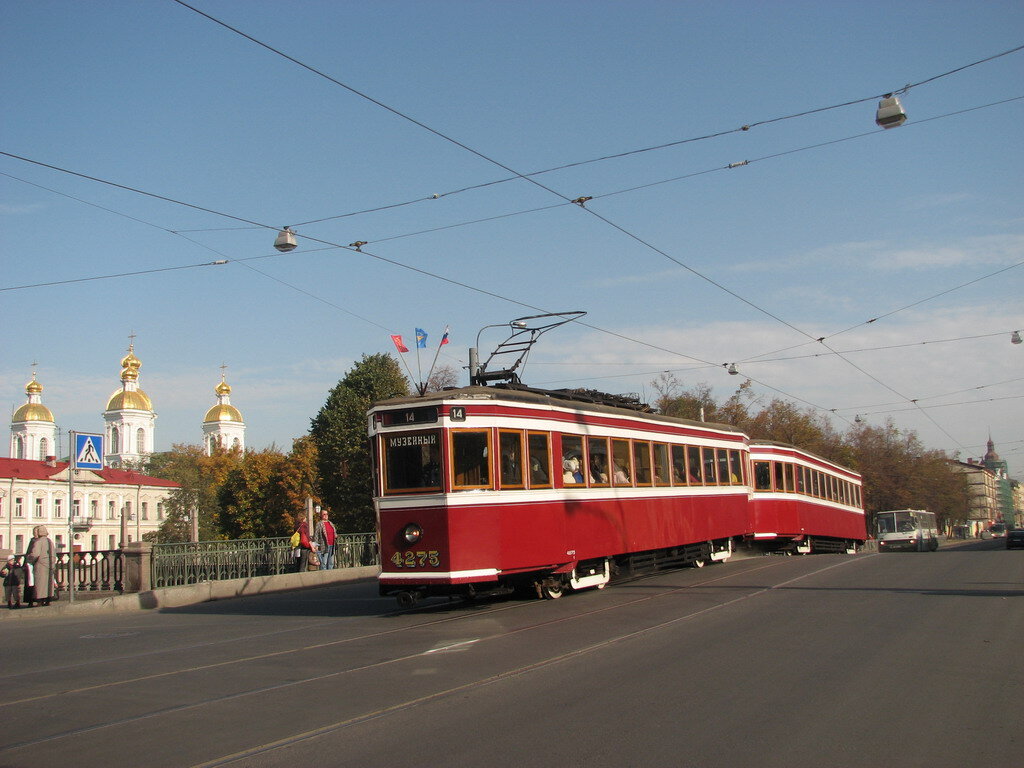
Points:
(707, 579)
(495, 607)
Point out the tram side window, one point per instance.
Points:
(694, 466)
(662, 474)
(722, 459)
(470, 458)
(622, 471)
(540, 459)
(679, 474)
(412, 462)
(762, 475)
(642, 462)
(572, 459)
(801, 479)
(710, 470)
(735, 468)
(597, 451)
(511, 444)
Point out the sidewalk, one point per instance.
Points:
(191, 594)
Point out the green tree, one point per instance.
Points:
(339, 432)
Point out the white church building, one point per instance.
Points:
(114, 505)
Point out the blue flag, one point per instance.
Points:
(421, 338)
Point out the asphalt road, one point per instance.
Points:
(828, 660)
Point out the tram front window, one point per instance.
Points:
(412, 461)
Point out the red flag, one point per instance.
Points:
(398, 343)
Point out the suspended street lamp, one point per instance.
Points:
(285, 240)
(890, 112)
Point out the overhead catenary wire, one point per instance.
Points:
(528, 176)
(522, 176)
(338, 245)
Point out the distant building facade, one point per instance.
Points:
(992, 495)
(110, 506)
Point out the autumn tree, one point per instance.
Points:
(299, 480)
(899, 473)
(339, 432)
(200, 477)
(250, 499)
(442, 377)
(675, 400)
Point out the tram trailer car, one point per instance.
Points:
(802, 502)
(481, 490)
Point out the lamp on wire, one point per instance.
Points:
(857, 419)
(1015, 338)
(732, 369)
(285, 240)
(890, 112)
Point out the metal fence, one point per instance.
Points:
(193, 562)
(94, 571)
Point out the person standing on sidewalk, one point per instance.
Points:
(11, 574)
(325, 536)
(39, 560)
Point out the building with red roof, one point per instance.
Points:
(109, 506)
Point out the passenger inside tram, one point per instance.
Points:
(571, 470)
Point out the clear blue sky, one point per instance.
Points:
(833, 222)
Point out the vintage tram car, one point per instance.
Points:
(484, 489)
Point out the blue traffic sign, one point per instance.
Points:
(88, 453)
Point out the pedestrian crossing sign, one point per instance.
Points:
(88, 453)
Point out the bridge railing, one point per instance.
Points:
(192, 562)
(92, 571)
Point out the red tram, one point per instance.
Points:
(486, 489)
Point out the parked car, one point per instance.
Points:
(998, 530)
(1015, 538)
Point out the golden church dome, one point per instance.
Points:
(32, 412)
(223, 388)
(222, 412)
(129, 399)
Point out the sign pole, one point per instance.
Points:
(72, 442)
(86, 452)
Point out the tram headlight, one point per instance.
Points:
(412, 533)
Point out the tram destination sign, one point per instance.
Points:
(426, 415)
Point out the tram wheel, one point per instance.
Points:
(551, 589)
(698, 563)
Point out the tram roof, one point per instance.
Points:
(592, 402)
